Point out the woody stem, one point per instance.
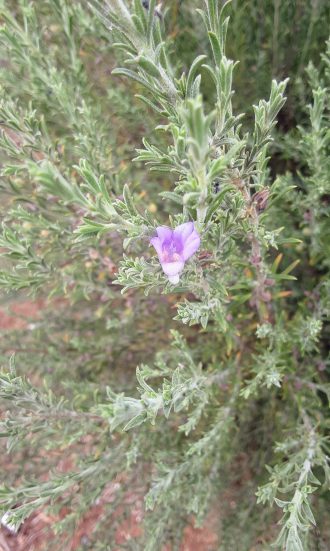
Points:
(261, 303)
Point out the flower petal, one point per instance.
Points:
(172, 268)
(157, 244)
(184, 230)
(191, 246)
(174, 279)
(164, 233)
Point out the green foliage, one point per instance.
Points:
(116, 118)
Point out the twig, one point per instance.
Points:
(261, 295)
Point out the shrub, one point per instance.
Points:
(230, 332)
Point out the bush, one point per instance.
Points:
(226, 414)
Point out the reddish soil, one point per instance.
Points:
(18, 315)
(36, 533)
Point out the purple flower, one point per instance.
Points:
(174, 247)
